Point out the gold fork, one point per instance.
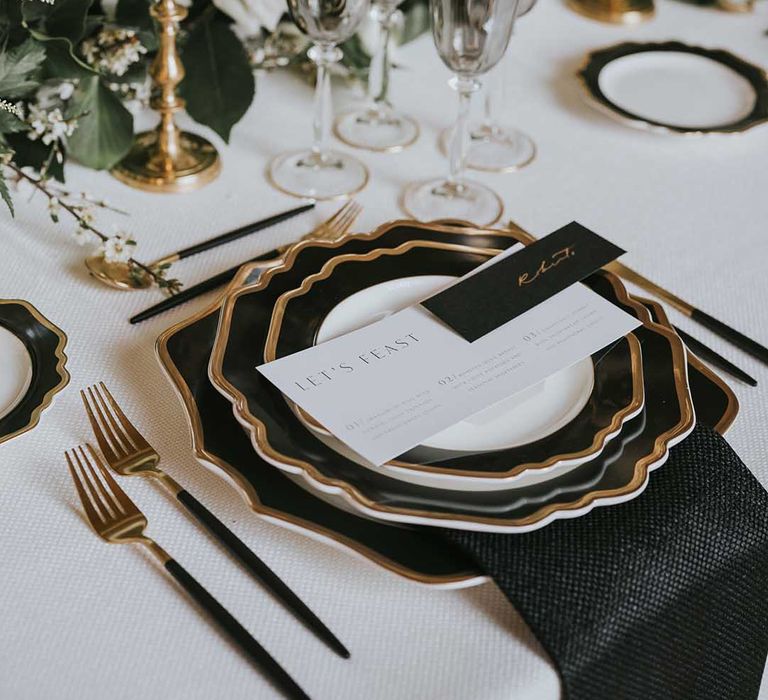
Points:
(117, 519)
(129, 453)
(334, 228)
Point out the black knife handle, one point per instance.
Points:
(199, 289)
(242, 231)
(257, 653)
(713, 357)
(736, 337)
(256, 566)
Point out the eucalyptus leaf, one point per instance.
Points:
(34, 154)
(417, 20)
(20, 69)
(4, 193)
(63, 18)
(104, 133)
(219, 85)
(10, 123)
(61, 61)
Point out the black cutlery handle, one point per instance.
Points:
(736, 337)
(242, 231)
(713, 357)
(257, 653)
(197, 290)
(261, 571)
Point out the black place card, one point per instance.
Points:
(488, 299)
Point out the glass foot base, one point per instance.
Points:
(376, 130)
(440, 199)
(495, 149)
(330, 175)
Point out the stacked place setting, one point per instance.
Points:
(587, 436)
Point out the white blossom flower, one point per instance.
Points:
(113, 50)
(53, 207)
(66, 90)
(118, 249)
(83, 235)
(252, 15)
(48, 126)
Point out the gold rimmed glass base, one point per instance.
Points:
(378, 130)
(146, 167)
(319, 176)
(614, 11)
(494, 149)
(442, 199)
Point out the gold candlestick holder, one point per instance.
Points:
(614, 11)
(168, 159)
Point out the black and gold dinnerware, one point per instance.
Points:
(673, 87)
(32, 370)
(284, 442)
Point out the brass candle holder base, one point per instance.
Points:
(614, 11)
(148, 167)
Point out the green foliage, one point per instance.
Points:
(219, 84)
(104, 133)
(5, 194)
(35, 155)
(10, 123)
(20, 69)
(416, 20)
(63, 19)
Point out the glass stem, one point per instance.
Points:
(378, 78)
(324, 56)
(460, 139)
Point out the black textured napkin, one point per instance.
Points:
(664, 597)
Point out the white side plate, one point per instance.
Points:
(15, 371)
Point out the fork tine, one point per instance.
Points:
(138, 439)
(107, 424)
(101, 438)
(347, 220)
(107, 496)
(90, 487)
(330, 223)
(94, 516)
(116, 429)
(128, 506)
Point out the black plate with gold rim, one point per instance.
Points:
(747, 78)
(44, 343)
(285, 442)
(616, 395)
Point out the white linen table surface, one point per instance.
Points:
(81, 620)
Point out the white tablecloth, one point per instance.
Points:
(79, 619)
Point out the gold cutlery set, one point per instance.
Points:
(118, 520)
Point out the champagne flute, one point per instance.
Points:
(319, 172)
(495, 146)
(471, 37)
(377, 126)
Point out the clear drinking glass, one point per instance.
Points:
(319, 172)
(495, 146)
(377, 126)
(471, 37)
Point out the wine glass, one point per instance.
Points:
(319, 172)
(377, 126)
(495, 146)
(471, 37)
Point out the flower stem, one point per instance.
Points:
(38, 185)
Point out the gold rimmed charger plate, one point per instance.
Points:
(44, 342)
(604, 420)
(344, 493)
